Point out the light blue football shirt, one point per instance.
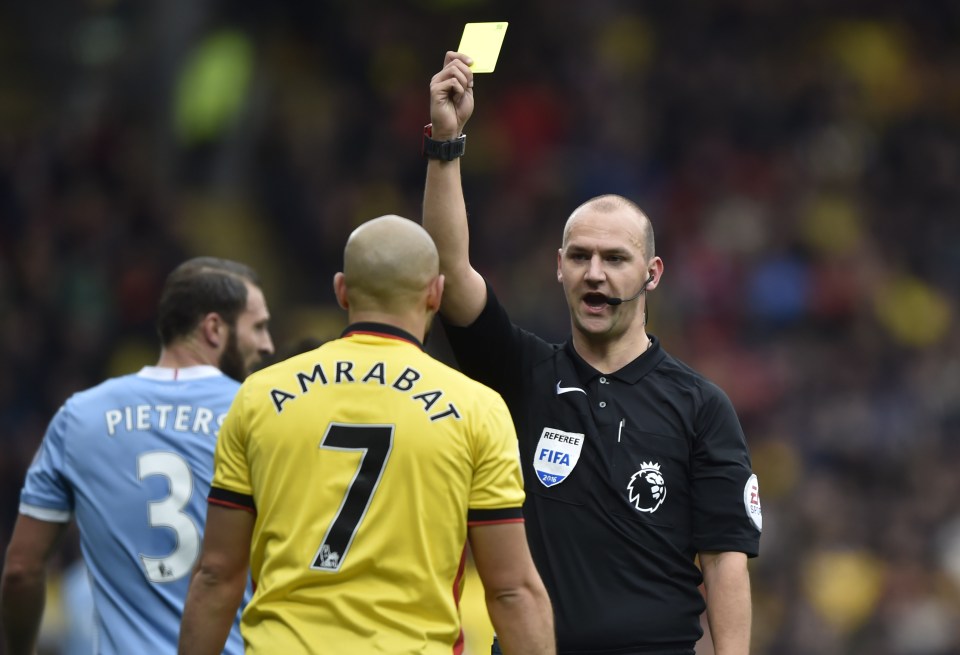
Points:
(132, 460)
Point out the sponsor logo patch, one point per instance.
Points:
(556, 454)
(647, 489)
(751, 501)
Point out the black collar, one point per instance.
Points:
(629, 374)
(381, 330)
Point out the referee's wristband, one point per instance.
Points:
(444, 150)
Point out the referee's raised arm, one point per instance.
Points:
(444, 209)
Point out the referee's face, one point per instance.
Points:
(603, 258)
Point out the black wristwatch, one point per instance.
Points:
(445, 150)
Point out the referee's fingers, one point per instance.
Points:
(456, 56)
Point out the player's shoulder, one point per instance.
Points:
(283, 369)
(105, 389)
(81, 406)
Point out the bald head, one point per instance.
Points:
(388, 263)
(613, 204)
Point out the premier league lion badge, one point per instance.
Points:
(647, 489)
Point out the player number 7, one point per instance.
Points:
(376, 443)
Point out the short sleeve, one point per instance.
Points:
(47, 494)
(725, 497)
(488, 350)
(497, 480)
(231, 472)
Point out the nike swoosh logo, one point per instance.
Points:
(561, 390)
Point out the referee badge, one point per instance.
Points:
(556, 455)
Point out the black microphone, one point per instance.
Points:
(620, 301)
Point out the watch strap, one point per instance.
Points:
(443, 150)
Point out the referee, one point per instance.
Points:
(638, 478)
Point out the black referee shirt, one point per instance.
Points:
(628, 475)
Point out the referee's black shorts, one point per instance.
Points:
(495, 650)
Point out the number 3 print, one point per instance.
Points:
(168, 513)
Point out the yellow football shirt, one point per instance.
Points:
(364, 461)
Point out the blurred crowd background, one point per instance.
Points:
(800, 162)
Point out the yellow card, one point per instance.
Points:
(482, 41)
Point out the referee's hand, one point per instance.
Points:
(451, 97)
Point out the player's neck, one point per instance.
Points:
(185, 354)
(610, 355)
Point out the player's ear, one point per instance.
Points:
(435, 293)
(340, 290)
(559, 269)
(213, 329)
